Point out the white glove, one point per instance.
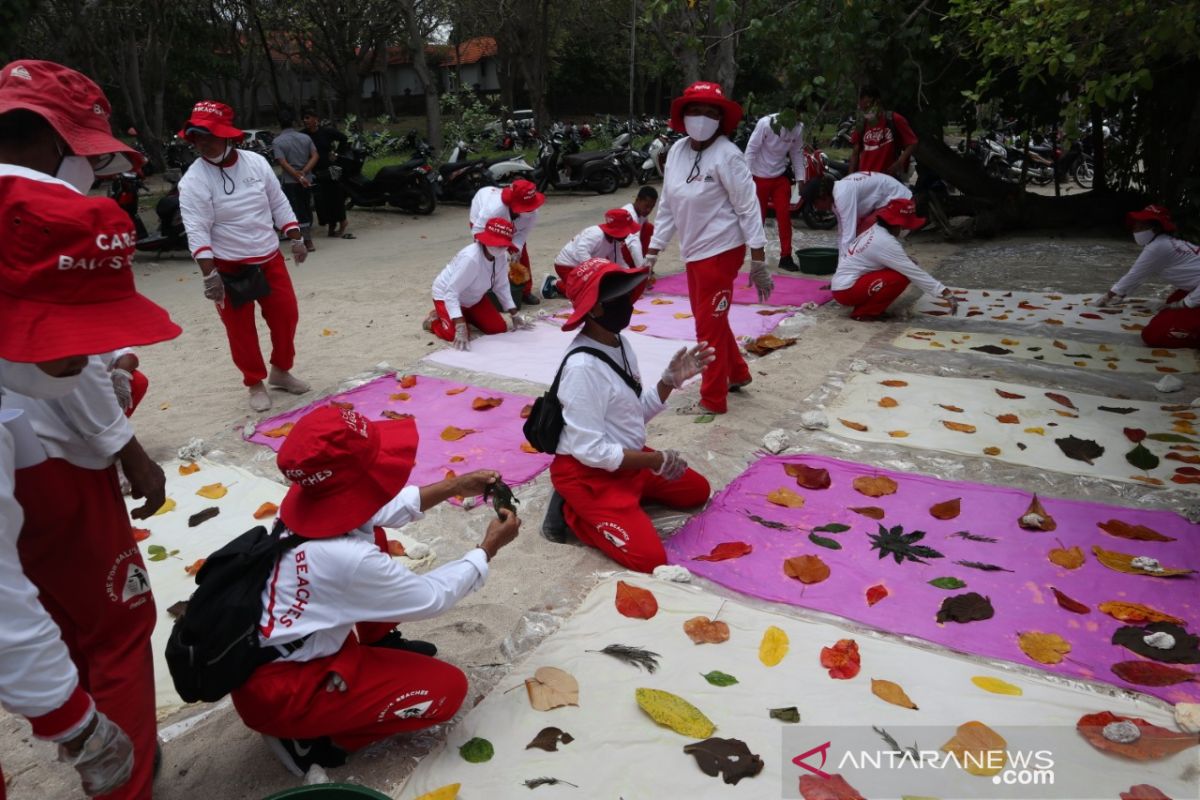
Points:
(521, 322)
(122, 382)
(761, 279)
(687, 364)
(106, 759)
(214, 287)
(299, 252)
(649, 262)
(1107, 300)
(673, 465)
(462, 337)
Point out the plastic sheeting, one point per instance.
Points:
(789, 291)
(1054, 310)
(617, 751)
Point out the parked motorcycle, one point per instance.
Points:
(405, 186)
(596, 170)
(171, 235)
(504, 169)
(656, 157)
(817, 213)
(126, 188)
(845, 131)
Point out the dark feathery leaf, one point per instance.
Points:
(902, 546)
(534, 783)
(767, 523)
(974, 537)
(896, 748)
(981, 566)
(635, 656)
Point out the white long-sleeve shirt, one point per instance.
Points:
(768, 152)
(601, 414)
(717, 211)
(323, 587)
(876, 249)
(633, 212)
(231, 213)
(487, 203)
(87, 427)
(591, 242)
(468, 277)
(860, 194)
(1169, 259)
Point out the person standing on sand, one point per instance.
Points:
(330, 197)
(296, 155)
(770, 149)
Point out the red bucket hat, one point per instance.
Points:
(74, 106)
(902, 213)
(343, 469)
(66, 276)
(214, 117)
(1151, 213)
(584, 289)
(706, 92)
(619, 223)
(522, 197)
(497, 233)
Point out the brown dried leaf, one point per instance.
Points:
(484, 403)
(808, 477)
(948, 509)
(1125, 530)
(768, 344)
(1036, 518)
(991, 451)
(387, 413)
(952, 409)
(703, 630)
(961, 427)
(1074, 606)
(1044, 648)
(785, 497)
(854, 426)
(456, 390)
(1010, 395)
(1008, 419)
(806, 569)
(894, 384)
(874, 512)
(1062, 400)
(891, 693)
(526, 411)
(453, 434)
(874, 485)
(400, 396)
(551, 687)
(1067, 558)
(888, 402)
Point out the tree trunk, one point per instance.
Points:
(429, 80)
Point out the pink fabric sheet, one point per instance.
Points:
(1022, 599)
(789, 291)
(495, 444)
(659, 318)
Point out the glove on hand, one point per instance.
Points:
(673, 465)
(106, 759)
(649, 262)
(462, 337)
(761, 279)
(122, 382)
(687, 364)
(953, 301)
(521, 322)
(299, 252)
(214, 287)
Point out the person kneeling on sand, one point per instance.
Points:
(602, 469)
(460, 292)
(875, 270)
(615, 239)
(345, 678)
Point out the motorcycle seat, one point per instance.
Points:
(455, 166)
(399, 170)
(579, 159)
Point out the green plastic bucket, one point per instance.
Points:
(817, 260)
(329, 791)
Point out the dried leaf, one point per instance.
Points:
(189, 468)
(996, 686)
(526, 411)
(1155, 743)
(1149, 673)
(1123, 562)
(891, 693)
(342, 404)
(1067, 558)
(477, 750)
(806, 569)
(992, 350)
(833, 787)
(730, 758)
(1074, 606)
(447, 792)
(964, 608)
(894, 384)
(888, 402)
(1080, 449)
(874, 512)
(675, 713)
(902, 546)
(980, 750)
(266, 510)
(952, 409)
(408, 381)
(203, 516)
(788, 714)
(455, 390)
(769, 523)
(389, 414)
(548, 739)
(961, 427)
(1044, 648)
(1136, 612)
(1038, 431)
(551, 687)
(1036, 518)
(876, 593)
(726, 550)
(395, 548)
(854, 426)
(453, 434)
(898, 434)
(948, 509)
(1010, 395)
(140, 534)
(1135, 435)
(785, 497)
(1143, 791)
(773, 647)
(948, 583)
(832, 527)
(526, 447)
(874, 485)
(703, 630)
(1142, 458)
(842, 660)
(824, 541)
(682, 315)
(768, 344)
(280, 432)
(718, 678)
(658, 301)
(1185, 650)
(213, 491)
(814, 478)
(981, 566)
(634, 601)
(484, 403)
(1125, 530)
(194, 567)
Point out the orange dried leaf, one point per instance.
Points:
(453, 434)
(991, 451)
(952, 409)
(457, 459)
(400, 396)
(484, 403)
(280, 432)
(1125, 530)
(408, 381)
(634, 601)
(854, 426)
(808, 477)
(894, 384)
(892, 693)
(1067, 557)
(395, 548)
(874, 512)
(1137, 613)
(526, 447)
(266, 510)
(1044, 648)
(703, 630)
(526, 411)
(140, 534)
(888, 402)
(213, 491)
(806, 569)
(725, 551)
(948, 509)
(637, 328)
(189, 468)
(785, 497)
(194, 567)
(874, 485)
(456, 390)
(1008, 419)
(961, 427)
(1010, 395)
(389, 414)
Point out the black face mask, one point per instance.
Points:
(616, 316)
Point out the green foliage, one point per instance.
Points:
(464, 117)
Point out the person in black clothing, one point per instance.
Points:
(331, 199)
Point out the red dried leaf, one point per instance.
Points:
(1142, 791)
(1074, 606)
(1135, 435)
(140, 534)
(842, 660)
(808, 477)
(1150, 673)
(636, 602)
(1010, 395)
(1062, 400)
(814, 787)
(484, 403)
(1155, 742)
(876, 593)
(725, 551)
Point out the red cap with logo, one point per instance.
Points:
(619, 223)
(708, 93)
(497, 233)
(597, 280)
(343, 469)
(66, 276)
(522, 197)
(1152, 213)
(902, 213)
(74, 106)
(214, 118)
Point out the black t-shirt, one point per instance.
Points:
(324, 139)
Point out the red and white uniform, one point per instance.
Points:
(875, 271)
(592, 242)
(488, 203)
(879, 148)
(647, 231)
(231, 213)
(717, 217)
(1177, 262)
(857, 197)
(138, 383)
(461, 288)
(767, 154)
(323, 589)
(602, 418)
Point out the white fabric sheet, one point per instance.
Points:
(1053, 309)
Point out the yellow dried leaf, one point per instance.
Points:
(961, 427)
(785, 497)
(400, 396)
(1123, 562)
(774, 646)
(658, 301)
(447, 792)
(898, 434)
(280, 432)
(1036, 431)
(682, 315)
(453, 434)
(551, 687)
(213, 491)
(997, 686)
(888, 402)
(991, 451)
(189, 468)
(169, 505)
(874, 485)
(1044, 648)
(892, 693)
(675, 713)
(854, 426)
(979, 749)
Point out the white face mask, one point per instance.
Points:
(700, 128)
(224, 154)
(1143, 237)
(29, 380)
(77, 171)
(497, 253)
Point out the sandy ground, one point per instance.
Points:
(371, 294)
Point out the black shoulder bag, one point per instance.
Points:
(544, 427)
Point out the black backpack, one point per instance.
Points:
(214, 646)
(544, 427)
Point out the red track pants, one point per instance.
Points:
(138, 386)
(777, 193)
(1174, 328)
(710, 289)
(646, 234)
(281, 313)
(482, 315)
(872, 293)
(77, 547)
(604, 508)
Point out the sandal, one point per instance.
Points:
(349, 236)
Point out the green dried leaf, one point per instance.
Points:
(477, 750)
(1142, 458)
(159, 553)
(948, 583)
(1173, 438)
(704, 418)
(822, 541)
(832, 527)
(717, 678)
(789, 714)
